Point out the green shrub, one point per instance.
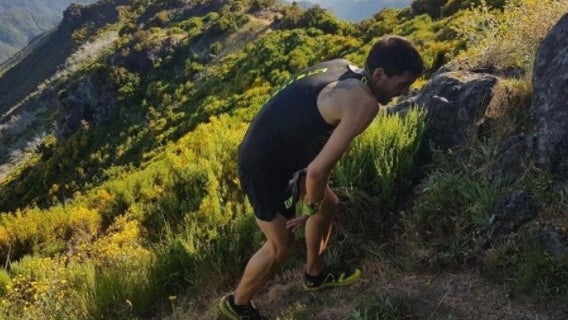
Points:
(202, 256)
(118, 292)
(5, 281)
(380, 162)
(540, 274)
(41, 289)
(510, 38)
(451, 206)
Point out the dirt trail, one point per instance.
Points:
(462, 295)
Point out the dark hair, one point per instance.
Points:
(395, 55)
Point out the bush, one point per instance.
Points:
(451, 208)
(41, 289)
(380, 161)
(511, 38)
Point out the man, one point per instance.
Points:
(301, 132)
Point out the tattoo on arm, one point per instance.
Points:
(347, 84)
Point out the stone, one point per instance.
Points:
(549, 107)
(455, 102)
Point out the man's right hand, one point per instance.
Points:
(296, 222)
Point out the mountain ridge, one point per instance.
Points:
(23, 20)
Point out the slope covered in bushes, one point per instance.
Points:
(136, 204)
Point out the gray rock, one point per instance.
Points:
(455, 101)
(86, 101)
(514, 210)
(513, 157)
(550, 104)
(553, 240)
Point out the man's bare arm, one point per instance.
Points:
(357, 111)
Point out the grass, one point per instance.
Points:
(383, 308)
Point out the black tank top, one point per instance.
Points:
(289, 131)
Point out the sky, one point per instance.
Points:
(355, 10)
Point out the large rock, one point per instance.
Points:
(456, 102)
(553, 240)
(550, 103)
(142, 62)
(98, 14)
(513, 211)
(513, 158)
(85, 101)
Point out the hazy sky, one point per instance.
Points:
(355, 10)
(324, 3)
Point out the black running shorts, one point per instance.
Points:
(266, 190)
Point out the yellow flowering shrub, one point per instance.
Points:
(40, 288)
(30, 230)
(46, 231)
(122, 244)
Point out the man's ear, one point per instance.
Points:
(378, 73)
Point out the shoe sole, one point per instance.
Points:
(226, 311)
(354, 277)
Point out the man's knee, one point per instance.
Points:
(331, 205)
(282, 251)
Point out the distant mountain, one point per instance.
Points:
(355, 10)
(23, 20)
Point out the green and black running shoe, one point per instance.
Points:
(229, 309)
(331, 277)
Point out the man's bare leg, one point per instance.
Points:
(318, 231)
(262, 265)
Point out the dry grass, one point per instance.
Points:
(462, 295)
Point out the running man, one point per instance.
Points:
(290, 149)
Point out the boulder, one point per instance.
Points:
(456, 102)
(513, 211)
(85, 101)
(553, 240)
(549, 108)
(513, 158)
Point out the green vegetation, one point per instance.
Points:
(509, 38)
(115, 220)
(380, 161)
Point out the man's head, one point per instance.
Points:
(392, 65)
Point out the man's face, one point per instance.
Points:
(385, 88)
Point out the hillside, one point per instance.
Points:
(23, 20)
(119, 195)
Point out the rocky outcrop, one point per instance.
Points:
(49, 57)
(513, 211)
(456, 102)
(463, 102)
(85, 103)
(553, 240)
(550, 104)
(143, 61)
(97, 15)
(513, 157)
